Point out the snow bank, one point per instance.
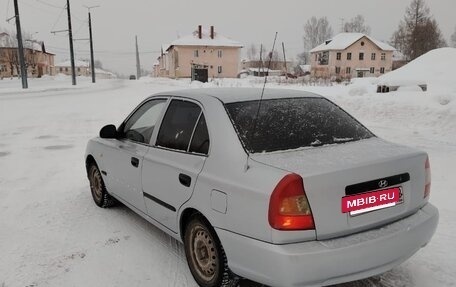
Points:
(435, 68)
(362, 86)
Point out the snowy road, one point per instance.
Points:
(51, 233)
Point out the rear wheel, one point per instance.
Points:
(205, 255)
(99, 193)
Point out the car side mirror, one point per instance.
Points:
(108, 132)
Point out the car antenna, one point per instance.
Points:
(255, 120)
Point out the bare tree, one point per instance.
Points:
(399, 38)
(98, 64)
(252, 52)
(316, 31)
(418, 33)
(303, 58)
(356, 25)
(453, 39)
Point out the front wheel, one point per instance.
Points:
(99, 193)
(205, 256)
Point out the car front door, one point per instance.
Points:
(123, 160)
(171, 166)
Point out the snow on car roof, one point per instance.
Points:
(344, 40)
(232, 95)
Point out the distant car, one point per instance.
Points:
(287, 191)
(132, 77)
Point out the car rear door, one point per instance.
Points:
(123, 158)
(171, 166)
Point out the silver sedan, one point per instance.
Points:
(289, 190)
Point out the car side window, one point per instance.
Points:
(178, 125)
(140, 126)
(200, 140)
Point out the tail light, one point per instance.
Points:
(427, 187)
(289, 208)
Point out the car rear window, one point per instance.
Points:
(291, 123)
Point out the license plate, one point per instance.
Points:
(372, 200)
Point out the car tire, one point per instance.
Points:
(205, 255)
(100, 195)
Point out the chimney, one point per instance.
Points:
(212, 32)
(200, 35)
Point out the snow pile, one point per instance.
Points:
(362, 86)
(435, 68)
(60, 77)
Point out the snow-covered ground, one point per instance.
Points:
(52, 234)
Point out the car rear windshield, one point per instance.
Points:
(291, 123)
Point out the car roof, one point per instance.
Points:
(232, 95)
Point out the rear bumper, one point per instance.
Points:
(343, 259)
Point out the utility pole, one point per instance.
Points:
(285, 61)
(92, 60)
(70, 35)
(20, 47)
(261, 69)
(138, 65)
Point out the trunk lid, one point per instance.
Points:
(335, 171)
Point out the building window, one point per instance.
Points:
(337, 70)
(383, 56)
(361, 56)
(348, 70)
(349, 56)
(316, 57)
(195, 53)
(219, 53)
(324, 58)
(79, 69)
(382, 70)
(339, 56)
(372, 70)
(373, 56)
(66, 69)
(362, 43)
(3, 68)
(219, 69)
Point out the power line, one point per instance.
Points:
(38, 8)
(80, 28)
(106, 51)
(58, 19)
(48, 11)
(7, 9)
(48, 4)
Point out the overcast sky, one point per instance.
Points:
(115, 23)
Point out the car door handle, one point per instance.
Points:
(185, 179)
(134, 162)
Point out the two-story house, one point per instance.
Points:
(200, 55)
(350, 55)
(38, 61)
